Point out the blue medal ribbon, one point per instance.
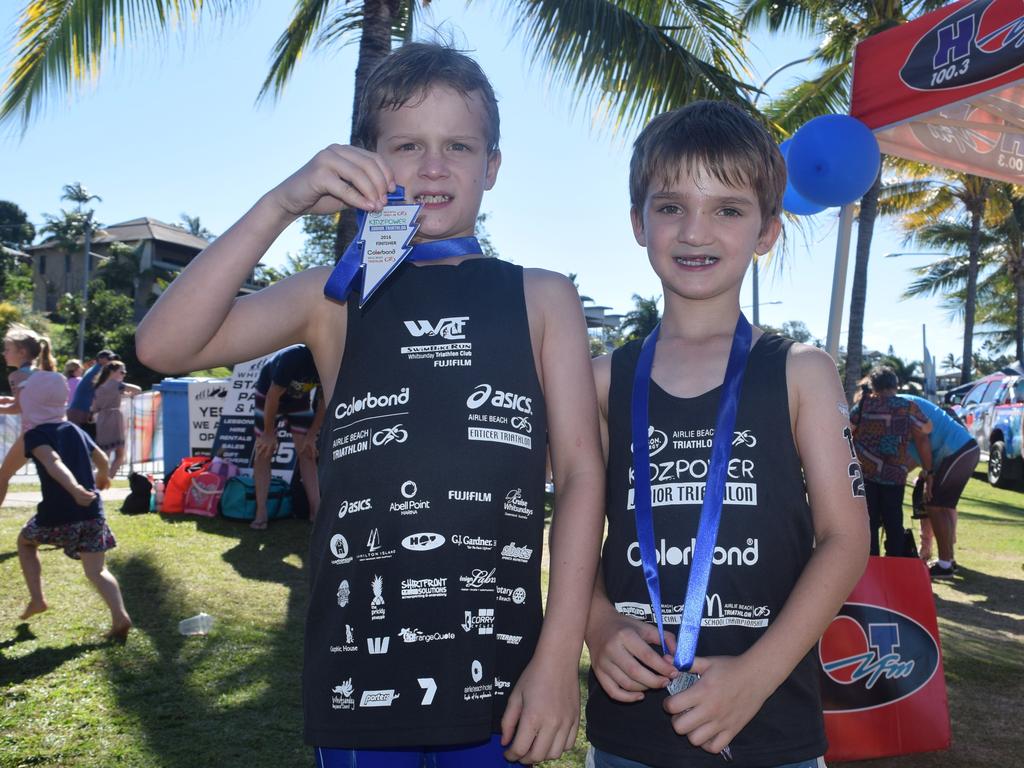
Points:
(714, 490)
(340, 282)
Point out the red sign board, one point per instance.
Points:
(882, 684)
(948, 88)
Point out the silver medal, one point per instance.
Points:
(681, 683)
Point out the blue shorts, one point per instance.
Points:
(598, 759)
(489, 754)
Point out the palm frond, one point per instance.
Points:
(954, 237)
(60, 44)
(635, 59)
(803, 16)
(902, 197)
(306, 21)
(827, 93)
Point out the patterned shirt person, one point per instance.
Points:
(882, 427)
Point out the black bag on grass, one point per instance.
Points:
(137, 501)
(909, 543)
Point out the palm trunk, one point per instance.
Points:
(858, 296)
(1017, 272)
(1018, 326)
(974, 256)
(374, 45)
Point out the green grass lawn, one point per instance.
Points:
(232, 699)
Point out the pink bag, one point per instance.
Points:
(203, 494)
(206, 488)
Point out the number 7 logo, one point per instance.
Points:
(429, 689)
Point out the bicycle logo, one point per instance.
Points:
(745, 438)
(393, 434)
(523, 423)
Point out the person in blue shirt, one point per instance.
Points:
(80, 407)
(955, 454)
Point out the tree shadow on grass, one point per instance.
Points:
(22, 633)
(1003, 513)
(41, 662)
(987, 629)
(231, 698)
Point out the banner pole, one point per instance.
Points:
(835, 312)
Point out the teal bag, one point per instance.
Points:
(238, 502)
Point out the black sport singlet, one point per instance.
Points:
(425, 558)
(764, 541)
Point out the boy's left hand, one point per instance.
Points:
(543, 713)
(717, 707)
(102, 481)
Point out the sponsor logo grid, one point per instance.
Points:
(515, 428)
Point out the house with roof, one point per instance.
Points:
(167, 248)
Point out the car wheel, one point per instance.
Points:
(1001, 470)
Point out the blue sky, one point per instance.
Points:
(172, 128)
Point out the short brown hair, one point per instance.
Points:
(408, 73)
(718, 136)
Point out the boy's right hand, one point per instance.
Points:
(102, 481)
(622, 657)
(337, 177)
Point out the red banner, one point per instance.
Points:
(882, 685)
(948, 88)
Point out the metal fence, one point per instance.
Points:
(144, 443)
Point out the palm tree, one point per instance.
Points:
(630, 60)
(194, 226)
(1000, 271)
(840, 26)
(78, 195)
(640, 321)
(928, 197)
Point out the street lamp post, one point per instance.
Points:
(753, 264)
(85, 288)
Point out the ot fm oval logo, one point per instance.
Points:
(872, 656)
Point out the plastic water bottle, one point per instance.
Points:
(196, 625)
(158, 495)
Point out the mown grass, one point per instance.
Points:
(232, 698)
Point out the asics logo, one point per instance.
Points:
(499, 399)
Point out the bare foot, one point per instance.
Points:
(119, 632)
(82, 496)
(258, 525)
(33, 608)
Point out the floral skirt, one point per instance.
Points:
(84, 536)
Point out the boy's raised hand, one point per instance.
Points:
(337, 177)
(727, 696)
(543, 712)
(622, 658)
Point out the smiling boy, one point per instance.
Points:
(706, 184)
(424, 635)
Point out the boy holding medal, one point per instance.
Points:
(424, 637)
(739, 520)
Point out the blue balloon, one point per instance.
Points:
(792, 201)
(833, 160)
